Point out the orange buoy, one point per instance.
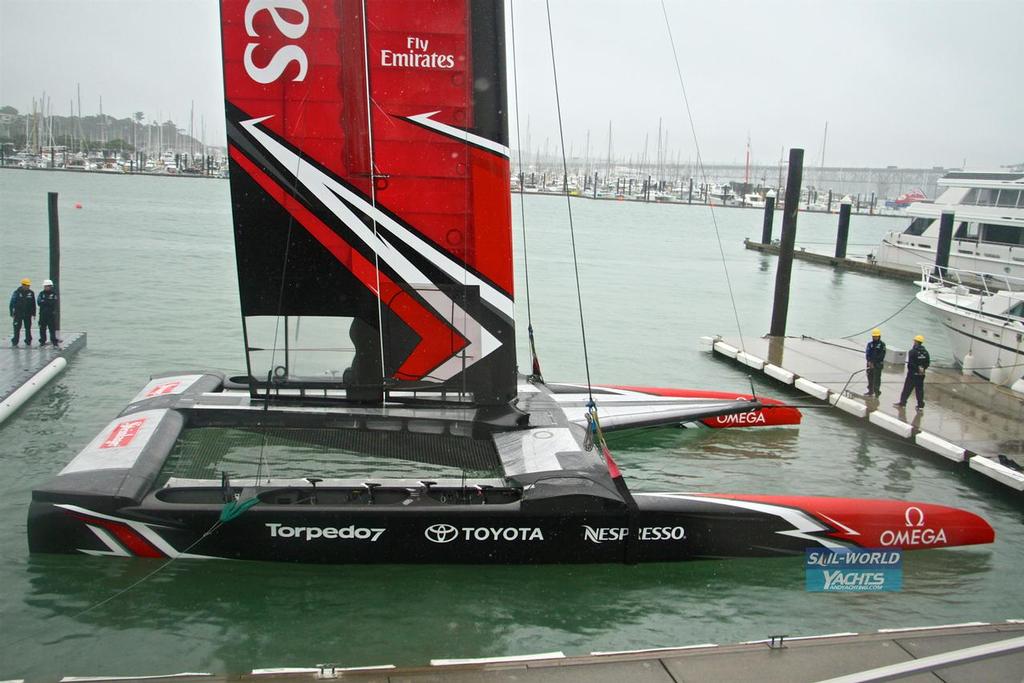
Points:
(78, 205)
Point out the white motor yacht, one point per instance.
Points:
(988, 226)
(985, 321)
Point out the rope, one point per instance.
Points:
(703, 174)
(535, 361)
(568, 203)
(879, 324)
(136, 584)
(373, 185)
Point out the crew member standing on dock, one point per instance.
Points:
(918, 361)
(48, 313)
(23, 309)
(874, 355)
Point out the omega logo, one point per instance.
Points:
(909, 516)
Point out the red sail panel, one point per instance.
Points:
(454, 193)
(380, 141)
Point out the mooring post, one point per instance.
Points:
(55, 253)
(871, 206)
(829, 207)
(945, 242)
(769, 217)
(780, 307)
(689, 199)
(844, 226)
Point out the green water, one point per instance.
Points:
(148, 272)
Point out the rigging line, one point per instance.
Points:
(109, 598)
(703, 173)
(373, 187)
(568, 203)
(280, 290)
(522, 202)
(902, 308)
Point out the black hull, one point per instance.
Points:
(514, 486)
(660, 530)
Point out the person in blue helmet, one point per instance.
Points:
(23, 309)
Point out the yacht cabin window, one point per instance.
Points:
(966, 231)
(918, 226)
(1017, 310)
(1008, 198)
(987, 197)
(1002, 234)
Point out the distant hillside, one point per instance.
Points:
(96, 132)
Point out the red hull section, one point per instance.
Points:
(774, 414)
(870, 523)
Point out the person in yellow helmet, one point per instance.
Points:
(23, 309)
(874, 356)
(918, 361)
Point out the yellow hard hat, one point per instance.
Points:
(25, 281)
(919, 338)
(876, 332)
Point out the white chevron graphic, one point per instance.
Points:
(458, 133)
(331, 194)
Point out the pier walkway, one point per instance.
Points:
(966, 418)
(960, 653)
(24, 370)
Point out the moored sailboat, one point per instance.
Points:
(382, 418)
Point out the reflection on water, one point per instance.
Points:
(235, 616)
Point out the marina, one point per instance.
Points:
(621, 608)
(330, 367)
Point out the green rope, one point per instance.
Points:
(235, 508)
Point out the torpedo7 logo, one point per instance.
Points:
(123, 433)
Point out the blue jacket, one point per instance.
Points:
(917, 359)
(875, 351)
(23, 303)
(47, 304)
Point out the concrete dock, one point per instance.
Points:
(24, 370)
(967, 653)
(966, 419)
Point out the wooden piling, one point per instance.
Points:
(780, 306)
(55, 253)
(945, 242)
(843, 235)
(769, 218)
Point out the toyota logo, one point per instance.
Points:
(441, 533)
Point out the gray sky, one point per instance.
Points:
(925, 83)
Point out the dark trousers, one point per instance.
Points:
(20, 321)
(875, 378)
(47, 323)
(914, 382)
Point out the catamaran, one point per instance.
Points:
(382, 418)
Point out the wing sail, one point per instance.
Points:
(369, 182)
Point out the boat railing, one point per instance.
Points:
(973, 281)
